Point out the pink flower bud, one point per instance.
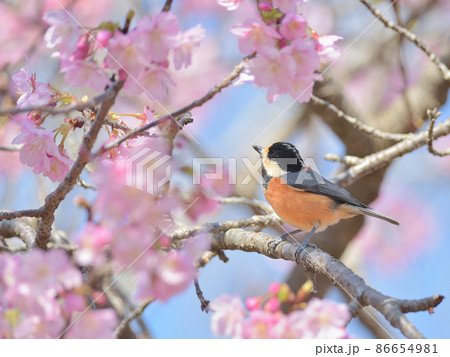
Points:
(274, 288)
(103, 37)
(272, 305)
(265, 6)
(252, 303)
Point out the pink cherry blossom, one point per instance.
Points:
(84, 47)
(228, 316)
(265, 5)
(325, 319)
(274, 69)
(288, 5)
(260, 324)
(293, 26)
(327, 49)
(230, 5)
(124, 52)
(185, 43)
(157, 36)
(32, 92)
(167, 274)
(102, 38)
(92, 242)
(83, 73)
(94, 324)
(152, 82)
(274, 288)
(272, 305)
(252, 303)
(63, 33)
(254, 35)
(41, 152)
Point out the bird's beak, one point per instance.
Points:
(258, 148)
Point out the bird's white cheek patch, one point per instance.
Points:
(272, 168)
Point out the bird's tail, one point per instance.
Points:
(372, 213)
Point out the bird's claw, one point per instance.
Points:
(274, 244)
(302, 246)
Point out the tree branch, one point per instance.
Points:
(228, 80)
(53, 200)
(133, 315)
(411, 37)
(381, 158)
(367, 129)
(318, 261)
(432, 116)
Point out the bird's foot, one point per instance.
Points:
(289, 234)
(302, 246)
(274, 244)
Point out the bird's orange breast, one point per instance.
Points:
(304, 210)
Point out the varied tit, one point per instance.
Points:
(301, 196)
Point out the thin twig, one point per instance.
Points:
(204, 304)
(167, 6)
(11, 148)
(367, 129)
(433, 114)
(411, 37)
(257, 221)
(62, 110)
(133, 315)
(227, 81)
(23, 213)
(251, 202)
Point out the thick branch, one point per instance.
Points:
(53, 200)
(318, 261)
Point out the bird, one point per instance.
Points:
(302, 197)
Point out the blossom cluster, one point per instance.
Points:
(39, 149)
(264, 317)
(42, 296)
(288, 53)
(139, 56)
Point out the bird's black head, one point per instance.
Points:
(286, 155)
(280, 158)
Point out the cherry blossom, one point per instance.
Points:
(94, 324)
(41, 152)
(63, 33)
(228, 316)
(293, 26)
(32, 92)
(185, 43)
(84, 73)
(254, 35)
(288, 5)
(327, 49)
(230, 5)
(92, 242)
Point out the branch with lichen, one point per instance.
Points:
(367, 129)
(381, 158)
(433, 114)
(317, 261)
(411, 37)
